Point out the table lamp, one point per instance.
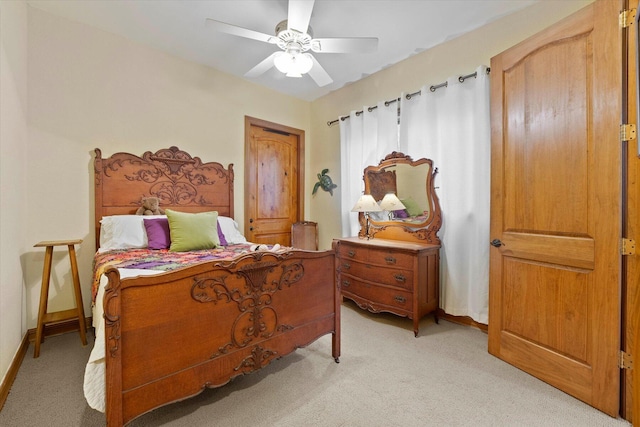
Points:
(391, 203)
(366, 203)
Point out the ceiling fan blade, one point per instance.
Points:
(223, 27)
(263, 66)
(318, 74)
(299, 14)
(345, 45)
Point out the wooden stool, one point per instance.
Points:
(78, 312)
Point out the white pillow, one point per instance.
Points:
(128, 232)
(230, 230)
(124, 232)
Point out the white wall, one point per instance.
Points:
(13, 188)
(458, 56)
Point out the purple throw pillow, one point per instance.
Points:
(158, 233)
(223, 240)
(402, 213)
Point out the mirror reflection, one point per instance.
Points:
(404, 190)
(405, 184)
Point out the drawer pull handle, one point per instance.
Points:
(346, 283)
(352, 253)
(400, 298)
(400, 278)
(390, 260)
(346, 266)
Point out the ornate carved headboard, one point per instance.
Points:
(180, 181)
(382, 182)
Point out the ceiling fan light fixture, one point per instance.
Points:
(293, 65)
(294, 37)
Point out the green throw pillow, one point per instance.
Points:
(192, 231)
(413, 209)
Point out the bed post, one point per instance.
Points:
(335, 339)
(113, 350)
(231, 200)
(97, 194)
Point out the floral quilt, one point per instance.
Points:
(161, 260)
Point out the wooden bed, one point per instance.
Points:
(170, 335)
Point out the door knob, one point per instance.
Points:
(250, 228)
(251, 220)
(496, 242)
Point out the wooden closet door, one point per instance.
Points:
(273, 191)
(555, 208)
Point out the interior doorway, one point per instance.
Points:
(274, 181)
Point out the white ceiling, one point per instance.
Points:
(403, 27)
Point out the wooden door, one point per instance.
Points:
(555, 206)
(273, 174)
(631, 230)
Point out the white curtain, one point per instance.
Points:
(365, 139)
(451, 126)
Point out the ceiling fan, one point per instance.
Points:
(295, 38)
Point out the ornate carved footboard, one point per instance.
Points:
(171, 335)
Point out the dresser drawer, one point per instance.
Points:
(377, 294)
(391, 258)
(379, 256)
(351, 252)
(386, 276)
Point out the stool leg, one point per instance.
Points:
(78, 293)
(44, 297)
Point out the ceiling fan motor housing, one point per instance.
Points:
(290, 39)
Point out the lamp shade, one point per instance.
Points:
(390, 202)
(366, 203)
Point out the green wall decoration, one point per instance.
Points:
(324, 182)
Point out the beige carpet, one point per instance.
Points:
(385, 377)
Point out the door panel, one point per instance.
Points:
(575, 252)
(542, 321)
(554, 281)
(272, 182)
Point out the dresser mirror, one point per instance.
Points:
(419, 217)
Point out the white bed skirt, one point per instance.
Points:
(94, 373)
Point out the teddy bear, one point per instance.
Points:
(150, 206)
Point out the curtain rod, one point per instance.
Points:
(432, 88)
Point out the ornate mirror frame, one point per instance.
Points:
(423, 230)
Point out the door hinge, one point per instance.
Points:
(626, 17)
(627, 132)
(628, 246)
(625, 360)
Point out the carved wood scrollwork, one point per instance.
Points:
(423, 234)
(256, 317)
(112, 312)
(259, 358)
(396, 155)
(174, 176)
(112, 324)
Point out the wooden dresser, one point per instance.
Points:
(389, 275)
